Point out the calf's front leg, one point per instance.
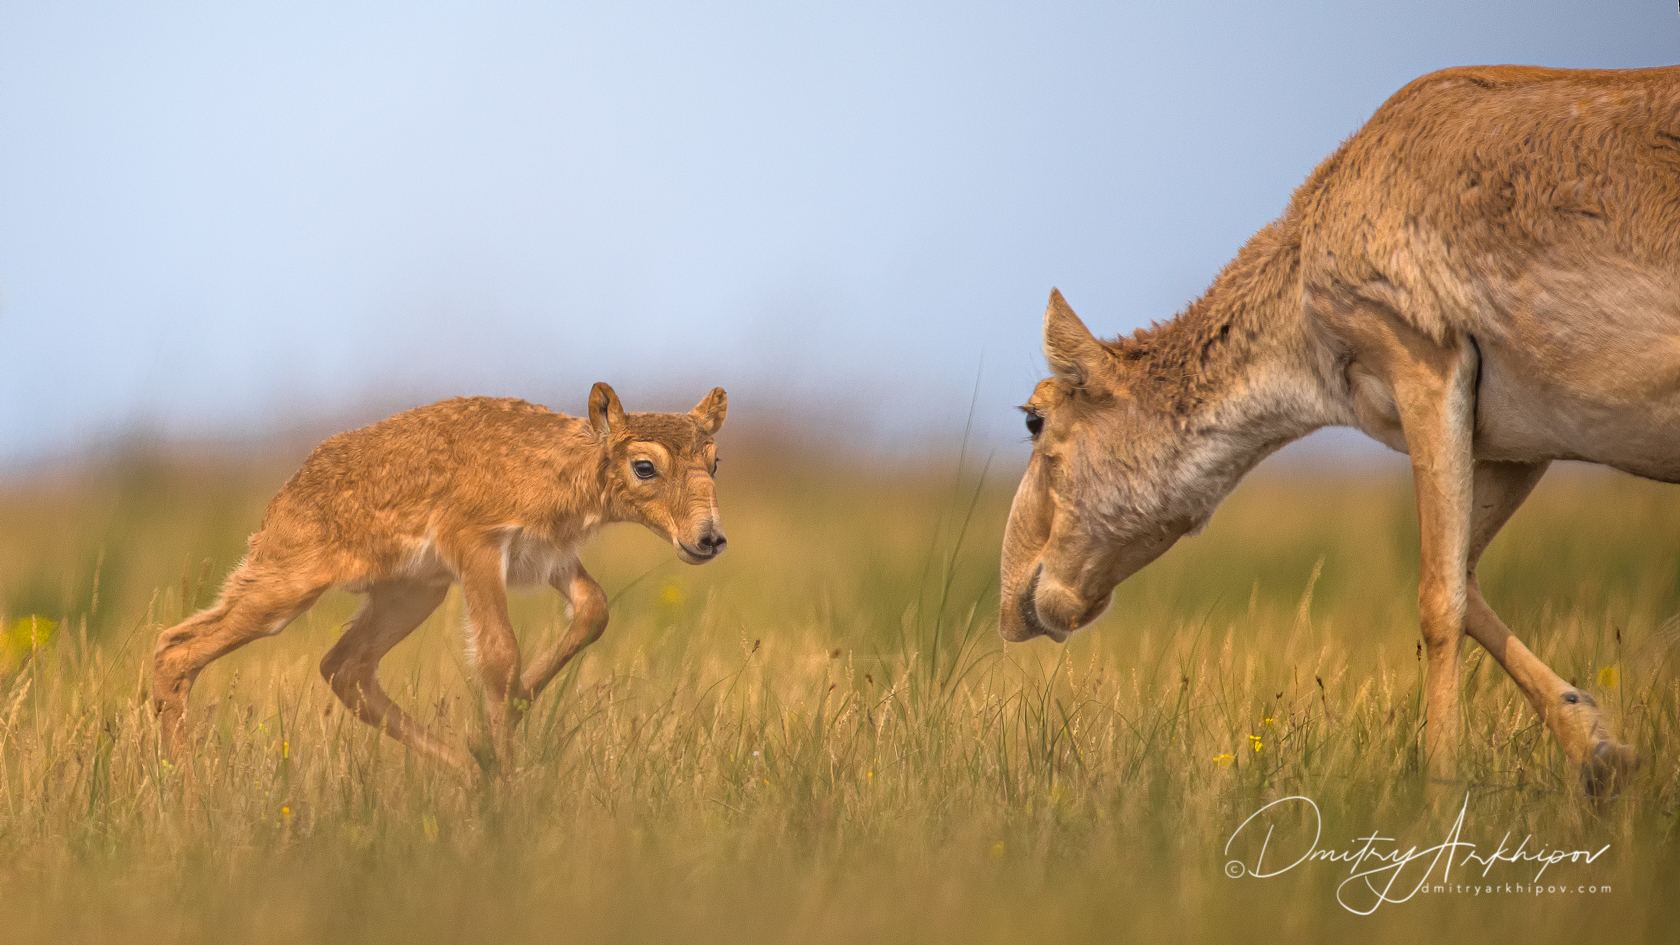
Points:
(494, 647)
(589, 619)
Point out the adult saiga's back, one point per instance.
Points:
(1538, 211)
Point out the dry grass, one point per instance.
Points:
(821, 738)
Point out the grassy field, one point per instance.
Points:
(820, 737)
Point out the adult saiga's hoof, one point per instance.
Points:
(1609, 770)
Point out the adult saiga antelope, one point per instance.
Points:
(1486, 276)
(480, 491)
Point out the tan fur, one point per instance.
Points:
(478, 491)
(1486, 277)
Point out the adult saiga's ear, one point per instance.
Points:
(1076, 357)
(710, 410)
(606, 414)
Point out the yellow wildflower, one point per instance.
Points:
(20, 642)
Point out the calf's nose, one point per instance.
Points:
(712, 541)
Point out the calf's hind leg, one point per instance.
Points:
(1572, 715)
(255, 602)
(389, 614)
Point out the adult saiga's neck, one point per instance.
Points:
(1237, 372)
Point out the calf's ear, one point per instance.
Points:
(1076, 357)
(709, 412)
(606, 414)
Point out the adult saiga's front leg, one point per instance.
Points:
(1571, 714)
(1432, 383)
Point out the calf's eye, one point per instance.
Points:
(1035, 422)
(643, 469)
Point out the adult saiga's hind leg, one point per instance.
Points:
(1571, 714)
(257, 601)
(389, 614)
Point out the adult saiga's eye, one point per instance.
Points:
(643, 469)
(1035, 421)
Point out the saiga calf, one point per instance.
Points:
(477, 491)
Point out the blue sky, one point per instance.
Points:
(221, 220)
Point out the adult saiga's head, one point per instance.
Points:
(1095, 504)
(659, 469)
